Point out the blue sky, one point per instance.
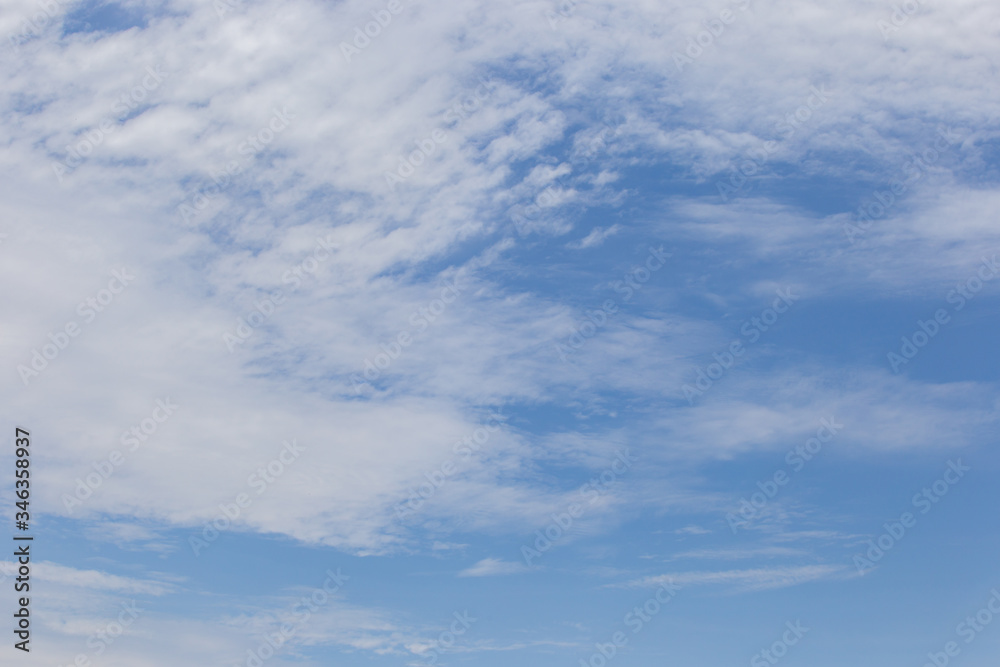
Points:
(625, 333)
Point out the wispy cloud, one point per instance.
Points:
(92, 579)
(596, 237)
(738, 554)
(751, 579)
(491, 567)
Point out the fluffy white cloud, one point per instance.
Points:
(573, 99)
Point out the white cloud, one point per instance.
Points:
(324, 176)
(596, 237)
(751, 579)
(738, 554)
(491, 567)
(91, 579)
